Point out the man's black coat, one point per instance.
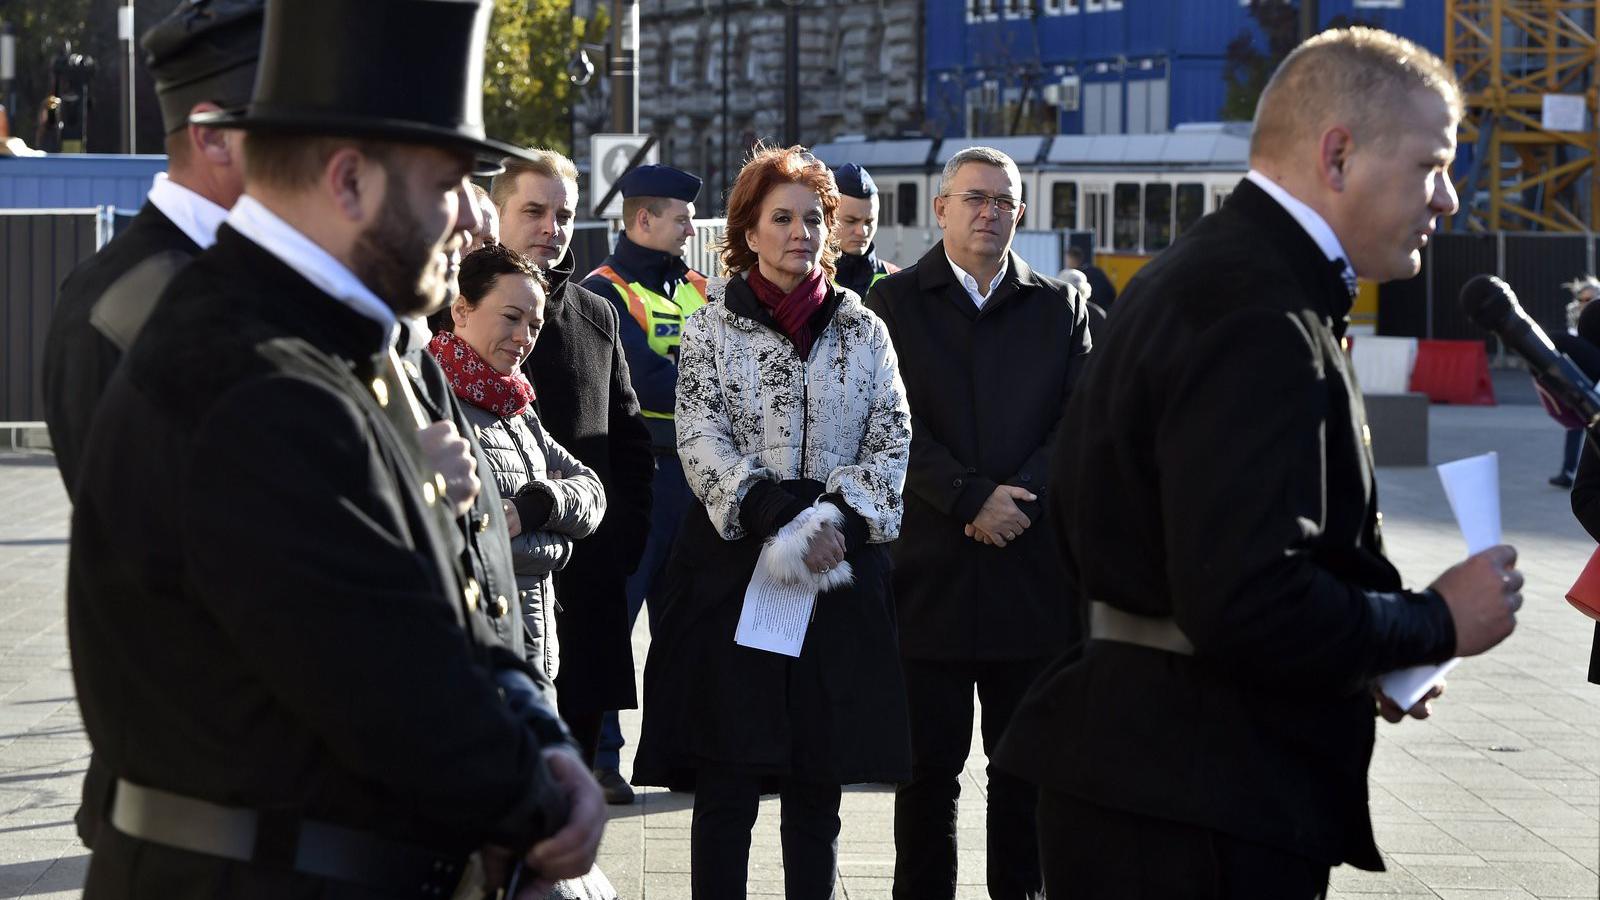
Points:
(80, 357)
(586, 400)
(1219, 474)
(263, 610)
(986, 389)
(483, 528)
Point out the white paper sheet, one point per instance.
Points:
(1472, 486)
(775, 616)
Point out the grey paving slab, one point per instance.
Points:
(1496, 796)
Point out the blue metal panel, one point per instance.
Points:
(1419, 20)
(1186, 40)
(77, 181)
(1197, 91)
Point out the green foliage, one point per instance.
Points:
(43, 28)
(1248, 68)
(527, 98)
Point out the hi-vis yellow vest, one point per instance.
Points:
(662, 319)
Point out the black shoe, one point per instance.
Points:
(1561, 481)
(616, 788)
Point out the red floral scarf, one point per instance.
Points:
(476, 382)
(793, 311)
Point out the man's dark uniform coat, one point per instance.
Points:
(483, 528)
(986, 387)
(587, 402)
(263, 610)
(98, 311)
(1219, 474)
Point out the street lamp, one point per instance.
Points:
(8, 67)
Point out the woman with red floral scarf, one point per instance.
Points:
(552, 498)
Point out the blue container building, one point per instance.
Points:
(998, 67)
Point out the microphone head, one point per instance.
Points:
(1488, 302)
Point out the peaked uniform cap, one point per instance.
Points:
(855, 181)
(659, 181)
(409, 71)
(204, 51)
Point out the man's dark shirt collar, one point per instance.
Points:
(856, 272)
(655, 269)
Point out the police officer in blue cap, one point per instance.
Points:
(859, 266)
(654, 292)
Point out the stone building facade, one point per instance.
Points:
(860, 68)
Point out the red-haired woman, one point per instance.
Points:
(793, 430)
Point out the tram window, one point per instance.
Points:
(906, 203)
(1190, 207)
(1125, 217)
(1064, 206)
(1157, 217)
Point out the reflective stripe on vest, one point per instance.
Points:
(661, 319)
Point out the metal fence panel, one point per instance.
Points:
(1456, 258)
(37, 250)
(1536, 265)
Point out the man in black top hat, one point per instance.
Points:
(654, 293)
(859, 267)
(274, 638)
(203, 57)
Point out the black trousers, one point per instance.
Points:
(939, 696)
(1094, 853)
(725, 806)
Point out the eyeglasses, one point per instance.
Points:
(977, 202)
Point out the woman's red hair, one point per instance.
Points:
(767, 168)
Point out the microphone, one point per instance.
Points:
(1491, 305)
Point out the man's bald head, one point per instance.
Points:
(1358, 78)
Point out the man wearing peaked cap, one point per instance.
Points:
(203, 57)
(256, 497)
(859, 265)
(654, 292)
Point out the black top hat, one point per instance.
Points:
(400, 70)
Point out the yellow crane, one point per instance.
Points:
(1528, 69)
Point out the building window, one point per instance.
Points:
(1102, 108)
(1157, 217)
(1094, 5)
(1191, 206)
(907, 203)
(1113, 4)
(1380, 4)
(1018, 9)
(1064, 206)
(1051, 7)
(1125, 218)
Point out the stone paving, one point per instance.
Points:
(1494, 797)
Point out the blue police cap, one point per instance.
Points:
(659, 181)
(855, 181)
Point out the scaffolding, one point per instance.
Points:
(1511, 55)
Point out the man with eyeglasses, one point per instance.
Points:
(989, 350)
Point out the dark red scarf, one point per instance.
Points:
(476, 382)
(793, 311)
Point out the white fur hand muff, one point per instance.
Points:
(786, 556)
